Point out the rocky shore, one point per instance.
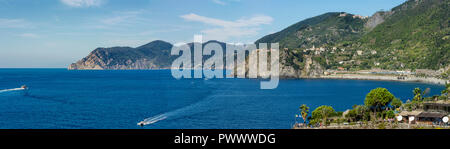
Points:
(429, 80)
(315, 71)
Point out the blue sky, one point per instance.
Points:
(55, 33)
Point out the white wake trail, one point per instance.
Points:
(9, 90)
(200, 106)
(152, 120)
(208, 103)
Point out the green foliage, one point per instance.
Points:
(390, 114)
(381, 126)
(337, 114)
(317, 31)
(321, 60)
(378, 98)
(396, 103)
(412, 105)
(313, 122)
(446, 91)
(415, 35)
(417, 94)
(446, 75)
(304, 110)
(359, 112)
(322, 113)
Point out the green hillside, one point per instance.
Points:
(414, 35)
(325, 29)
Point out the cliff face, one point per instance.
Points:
(377, 18)
(98, 64)
(93, 61)
(155, 55)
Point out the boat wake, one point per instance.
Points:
(207, 104)
(10, 90)
(198, 107)
(152, 120)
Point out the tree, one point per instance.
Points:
(396, 103)
(351, 115)
(390, 114)
(417, 94)
(408, 105)
(322, 112)
(361, 110)
(357, 113)
(446, 91)
(304, 110)
(378, 98)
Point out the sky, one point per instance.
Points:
(56, 33)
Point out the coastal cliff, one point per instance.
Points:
(409, 37)
(154, 55)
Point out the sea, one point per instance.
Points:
(68, 99)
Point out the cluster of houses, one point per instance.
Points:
(354, 16)
(317, 51)
(432, 113)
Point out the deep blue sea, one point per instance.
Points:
(62, 99)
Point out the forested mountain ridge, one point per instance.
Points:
(413, 35)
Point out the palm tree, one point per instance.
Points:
(417, 94)
(446, 90)
(304, 110)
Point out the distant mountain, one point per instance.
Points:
(299, 41)
(154, 55)
(413, 35)
(324, 29)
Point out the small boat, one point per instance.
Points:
(22, 88)
(141, 124)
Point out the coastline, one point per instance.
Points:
(427, 80)
(343, 76)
